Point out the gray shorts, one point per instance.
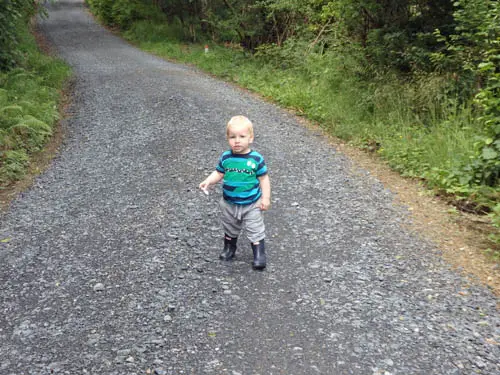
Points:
(236, 217)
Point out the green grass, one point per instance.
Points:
(29, 97)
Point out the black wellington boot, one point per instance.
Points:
(259, 256)
(229, 248)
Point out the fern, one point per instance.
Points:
(4, 97)
(13, 165)
(13, 110)
(35, 124)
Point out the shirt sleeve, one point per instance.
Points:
(262, 168)
(220, 167)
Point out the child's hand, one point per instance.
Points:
(214, 178)
(265, 203)
(204, 186)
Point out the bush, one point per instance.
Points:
(123, 13)
(103, 9)
(28, 104)
(12, 14)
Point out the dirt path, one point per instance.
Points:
(110, 258)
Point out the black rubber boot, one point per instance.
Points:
(259, 256)
(229, 248)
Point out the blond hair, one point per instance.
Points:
(240, 121)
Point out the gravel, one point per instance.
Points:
(109, 262)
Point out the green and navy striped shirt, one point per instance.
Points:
(241, 173)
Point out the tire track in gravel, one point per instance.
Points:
(112, 267)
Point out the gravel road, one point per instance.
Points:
(109, 263)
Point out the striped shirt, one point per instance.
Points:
(241, 172)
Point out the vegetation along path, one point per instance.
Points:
(109, 262)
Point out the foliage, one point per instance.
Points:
(12, 166)
(123, 13)
(28, 104)
(473, 52)
(488, 98)
(396, 34)
(11, 13)
(393, 33)
(102, 9)
(155, 32)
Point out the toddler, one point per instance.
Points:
(246, 191)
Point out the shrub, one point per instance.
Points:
(12, 14)
(29, 95)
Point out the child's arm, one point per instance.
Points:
(265, 186)
(212, 179)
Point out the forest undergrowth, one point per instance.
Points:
(31, 84)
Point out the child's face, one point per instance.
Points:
(239, 138)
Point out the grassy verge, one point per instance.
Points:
(29, 98)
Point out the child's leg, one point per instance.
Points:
(259, 255)
(255, 229)
(229, 248)
(232, 228)
(253, 222)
